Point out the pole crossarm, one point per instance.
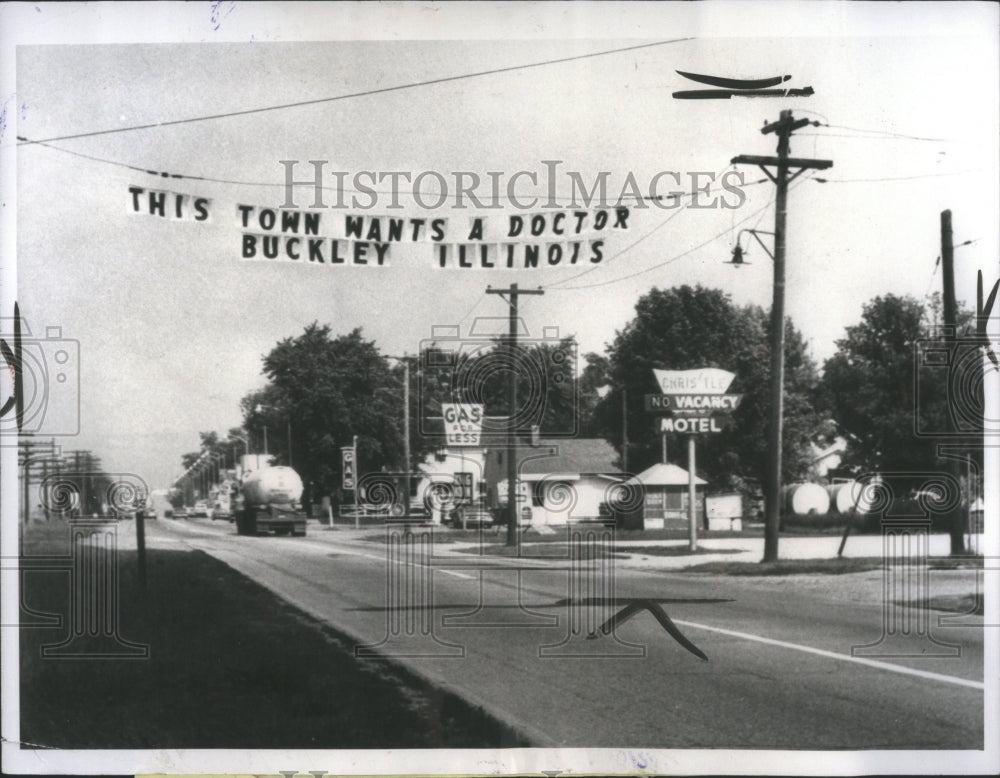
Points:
(753, 159)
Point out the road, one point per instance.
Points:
(499, 632)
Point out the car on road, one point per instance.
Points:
(201, 510)
(470, 516)
(181, 512)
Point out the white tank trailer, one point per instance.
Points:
(269, 501)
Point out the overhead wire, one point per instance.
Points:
(363, 93)
(682, 254)
(640, 239)
(889, 133)
(185, 176)
(820, 180)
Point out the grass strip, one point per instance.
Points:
(231, 665)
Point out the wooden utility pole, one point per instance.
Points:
(511, 299)
(955, 525)
(624, 429)
(783, 128)
(406, 432)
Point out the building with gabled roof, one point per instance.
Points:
(665, 503)
(560, 480)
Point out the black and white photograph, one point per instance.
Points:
(500, 388)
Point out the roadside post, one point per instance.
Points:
(693, 402)
(140, 544)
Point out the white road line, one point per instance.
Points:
(842, 657)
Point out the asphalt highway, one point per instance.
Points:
(785, 669)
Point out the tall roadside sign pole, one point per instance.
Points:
(512, 493)
(692, 498)
(782, 164)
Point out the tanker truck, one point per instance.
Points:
(268, 501)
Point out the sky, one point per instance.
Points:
(171, 323)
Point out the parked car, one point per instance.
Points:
(471, 516)
(201, 510)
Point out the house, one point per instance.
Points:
(665, 505)
(560, 480)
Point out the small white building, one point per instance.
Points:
(562, 481)
(666, 497)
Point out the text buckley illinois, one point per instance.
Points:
(336, 251)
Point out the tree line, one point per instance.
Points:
(875, 392)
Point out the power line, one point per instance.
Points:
(820, 180)
(677, 256)
(639, 240)
(933, 274)
(889, 133)
(235, 182)
(867, 137)
(364, 93)
(475, 305)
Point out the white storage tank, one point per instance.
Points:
(805, 499)
(843, 496)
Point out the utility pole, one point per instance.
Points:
(406, 435)
(33, 450)
(405, 359)
(955, 528)
(624, 429)
(783, 128)
(511, 300)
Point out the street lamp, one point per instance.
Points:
(288, 428)
(246, 447)
(260, 409)
(739, 252)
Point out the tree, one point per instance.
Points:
(870, 389)
(693, 327)
(594, 384)
(479, 372)
(324, 390)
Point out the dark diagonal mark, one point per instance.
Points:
(725, 94)
(617, 601)
(13, 358)
(658, 613)
(734, 83)
(614, 603)
(983, 311)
